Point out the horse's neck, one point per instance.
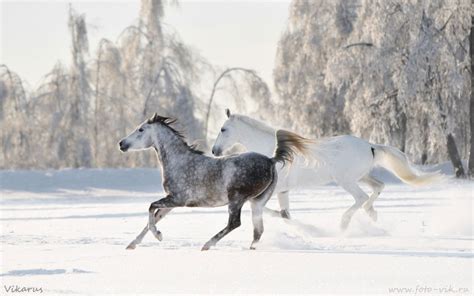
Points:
(171, 152)
(257, 140)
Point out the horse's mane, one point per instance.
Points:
(167, 121)
(254, 123)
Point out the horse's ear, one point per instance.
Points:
(154, 118)
(227, 112)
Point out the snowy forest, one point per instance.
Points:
(392, 72)
(78, 77)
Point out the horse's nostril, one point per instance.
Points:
(216, 151)
(123, 146)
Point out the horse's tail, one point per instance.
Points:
(396, 162)
(288, 145)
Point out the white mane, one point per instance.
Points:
(254, 123)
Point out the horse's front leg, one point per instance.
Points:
(165, 203)
(160, 213)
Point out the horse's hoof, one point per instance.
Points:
(253, 245)
(373, 215)
(158, 235)
(371, 212)
(285, 214)
(131, 246)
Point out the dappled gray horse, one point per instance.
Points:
(191, 179)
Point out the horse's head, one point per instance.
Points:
(228, 136)
(142, 137)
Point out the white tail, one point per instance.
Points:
(396, 162)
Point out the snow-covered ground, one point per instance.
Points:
(66, 232)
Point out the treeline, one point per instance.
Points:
(78, 114)
(393, 72)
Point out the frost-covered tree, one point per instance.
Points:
(15, 121)
(168, 68)
(244, 91)
(435, 79)
(50, 103)
(78, 114)
(390, 71)
(115, 107)
(471, 106)
(303, 51)
(78, 139)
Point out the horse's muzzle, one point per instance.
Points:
(216, 151)
(123, 146)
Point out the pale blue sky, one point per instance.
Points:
(34, 34)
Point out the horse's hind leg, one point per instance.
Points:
(257, 222)
(377, 187)
(257, 205)
(235, 209)
(284, 201)
(160, 213)
(360, 198)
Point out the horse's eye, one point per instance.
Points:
(140, 130)
(222, 130)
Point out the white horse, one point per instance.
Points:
(345, 160)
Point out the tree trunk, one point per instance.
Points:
(403, 129)
(471, 108)
(424, 154)
(424, 157)
(455, 158)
